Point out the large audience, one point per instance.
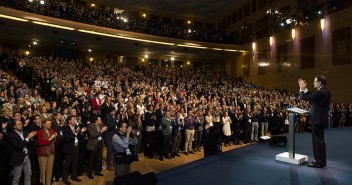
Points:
(196, 102)
(128, 21)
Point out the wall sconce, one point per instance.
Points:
(293, 34)
(271, 41)
(322, 24)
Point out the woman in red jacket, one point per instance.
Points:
(46, 151)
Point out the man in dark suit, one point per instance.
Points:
(95, 147)
(105, 108)
(318, 116)
(18, 140)
(111, 123)
(72, 134)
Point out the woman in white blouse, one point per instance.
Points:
(226, 128)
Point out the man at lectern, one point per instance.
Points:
(318, 116)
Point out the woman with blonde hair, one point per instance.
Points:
(46, 151)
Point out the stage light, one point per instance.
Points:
(332, 4)
(89, 50)
(35, 43)
(42, 2)
(189, 31)
(288, 21)
(146, 56)
(320, 9)
(172, 58)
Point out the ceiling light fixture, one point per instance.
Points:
(53, 25)
(190, 46)
(13, 18)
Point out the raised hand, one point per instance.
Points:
(104, 128)
(83, 129)
(302, 84)
(32, 134)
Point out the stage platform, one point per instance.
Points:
(256, 165)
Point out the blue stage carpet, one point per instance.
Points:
(256, 164)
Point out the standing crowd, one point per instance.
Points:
(57, 113)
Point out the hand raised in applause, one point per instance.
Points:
(83, 129)
(104, 128)
(31, 135)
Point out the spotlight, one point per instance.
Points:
(73, 44)
(31, 1)
(306, 15)
(41, 2)
(35, 43)
(320, 9)
(332, 4)
(89, 50)
(146, 56)
(172, 58)
(61, 42)
(288, 21)
(189, 30)
(282, 24)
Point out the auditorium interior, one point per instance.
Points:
(213, 58)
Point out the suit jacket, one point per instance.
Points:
(111, 123)
(93, 135)
(320, 104)
(17, 145)
(105, 109)
(69, 139)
